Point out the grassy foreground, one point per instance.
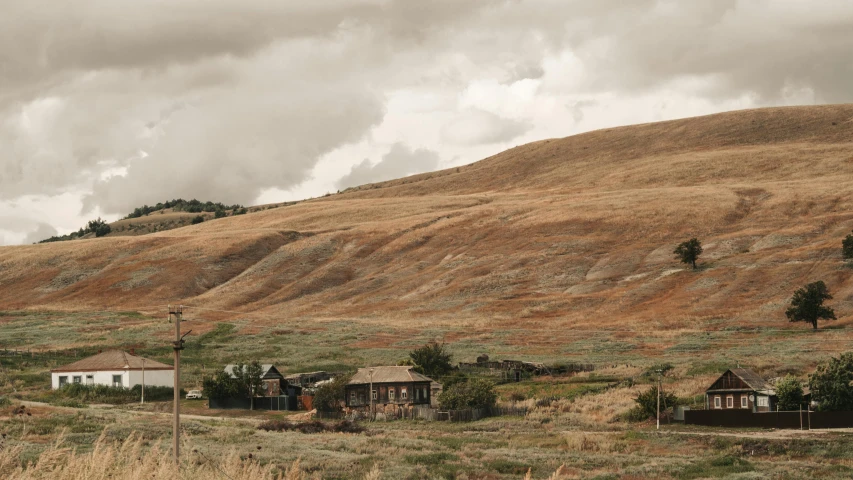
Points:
(575, 427)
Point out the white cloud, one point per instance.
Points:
(120, 102)
(400, 161)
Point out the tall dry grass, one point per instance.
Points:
(132, 460)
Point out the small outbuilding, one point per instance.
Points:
(115, 368)
(740, 389)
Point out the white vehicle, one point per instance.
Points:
(194, 394)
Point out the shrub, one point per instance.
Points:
(219, 214)
(647, 402)
(475, 393)
(314, 426)
(197, 219)
(790, 393)
(329, 397)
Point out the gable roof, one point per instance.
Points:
(751, 378)
(112, 360)
(388, 375)
(748, 377)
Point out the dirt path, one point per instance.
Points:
(111, 408)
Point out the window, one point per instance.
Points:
(375, 395)
(763, 402)
(78, 379)
(63, 381)
(744, 402)
(404, 393)
(90, 379)
(717, 402)
(390, 394)
(117, 380)
(352, 398)
(730, 402)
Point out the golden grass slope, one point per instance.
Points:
(572, 231)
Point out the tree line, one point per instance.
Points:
(98, 227)
(190, 206)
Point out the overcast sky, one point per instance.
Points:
(106, 105)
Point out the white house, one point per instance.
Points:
(115, 368)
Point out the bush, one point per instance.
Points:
(475, 393)
(314, 426)
(790, 393)
(197, 219)
(329, 397)
(85, 394)
(219, 214)
(647, 402)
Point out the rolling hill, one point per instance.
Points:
(568, 232)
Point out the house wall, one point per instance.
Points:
(736, 397)
(129, 378)
(153, 378)
(388, 393)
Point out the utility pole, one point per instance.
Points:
(372, 414)
(142, 402)
(178, 345)
(658, 415)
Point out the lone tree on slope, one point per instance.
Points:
(847, 247)
(807, 304)
(689, 251)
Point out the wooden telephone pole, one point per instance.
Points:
(178, 345)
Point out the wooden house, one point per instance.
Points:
(740, 388)
(392, 386)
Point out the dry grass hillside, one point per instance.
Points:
(564, 232)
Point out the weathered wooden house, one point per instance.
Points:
(740, 388)
(392, 386)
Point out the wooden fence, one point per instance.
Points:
(791, 420)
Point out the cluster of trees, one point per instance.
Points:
(246, 381)
(191, 206)
(98, 227)
(831, 387)
(806, 304)
(459, 390)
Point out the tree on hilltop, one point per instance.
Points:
(689, 251)
(807, 304)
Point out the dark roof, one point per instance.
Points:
(112, 360)
(387, 375)
(751, 378)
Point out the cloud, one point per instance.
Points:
(475, 127)
(400, 161)
(127, 102)
(42, 232)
